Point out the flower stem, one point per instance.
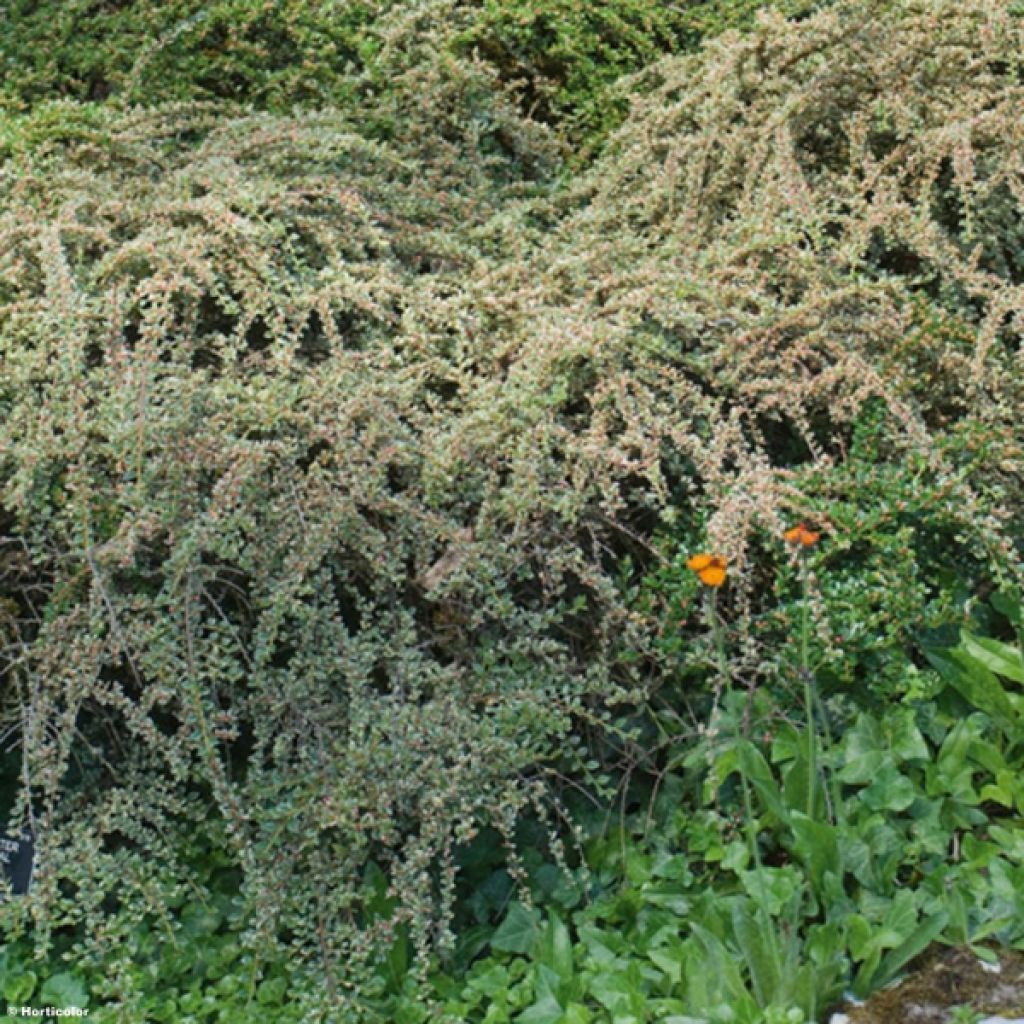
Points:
(726, 677)
(812, 702)
(805, 673)
(748, 806)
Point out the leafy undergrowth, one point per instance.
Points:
(667, 918)
(915, 836)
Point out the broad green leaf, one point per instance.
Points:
(864, 978)
(915, 943)
(669, 960)
(905, 739)
(490, 982)
(815, 843)
(672, 866)
(519, 931)
(864, 751)
(577, 1013)
(889, 791)
(796, 782)
(736, 856)
(759, 945)
(771, 889)
(545, 1011)
(1008, 604)
(669, 895)
(715, 979)
(547, 983)
(759, 775)
(555, 949)
(19, 987)
(617, 993)
(597, 942)
(1003, 659)
(975, 683)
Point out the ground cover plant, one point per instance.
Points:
(773, 868)
(364, 487)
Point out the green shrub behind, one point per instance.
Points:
(555, 62)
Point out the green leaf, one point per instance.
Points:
(19, 988)
(669, 960)
(519, 931)
(975, 683)
(997, 657)
(577, 1013)
(759, 945)
(859, 936)
(715, 978)
(272, 991)
(815, 843)
(545, 1011)
(598, 944)
(759, 775)
(916, 942)
(63, 991)
(771, 889)
(796, 782)
(864, 751)
(1007, 603)
(491, 981)
(617, 993)
(890, 791)
(905, 739)
(556, 949)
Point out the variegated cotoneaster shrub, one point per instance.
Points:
(321, 456)
(254, 567)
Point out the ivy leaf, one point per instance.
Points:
(890, 791)
(63, 991)
(905, 738)
(864, 751)
(519, 931)
(544, 1011)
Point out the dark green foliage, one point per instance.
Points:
(556, 61)
(566, 57)
(269, 54)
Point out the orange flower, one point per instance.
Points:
(710, 569)
(800, 535)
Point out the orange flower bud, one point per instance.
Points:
(800, 535)
(709, 568)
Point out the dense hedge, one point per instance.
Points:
(555, 61)
(330, 470)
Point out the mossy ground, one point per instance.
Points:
(947, 979)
